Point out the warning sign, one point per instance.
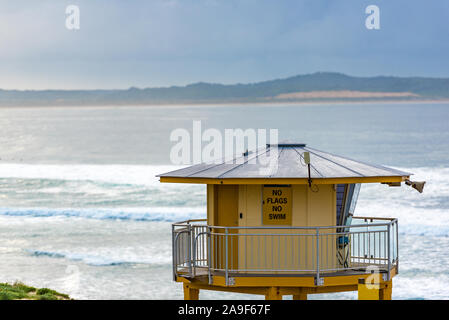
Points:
(277, 205)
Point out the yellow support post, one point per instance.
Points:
(376, 291)
(190, 293)
(273, 293)
(385, 293)
(301, 296)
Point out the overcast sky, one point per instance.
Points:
(175, 42)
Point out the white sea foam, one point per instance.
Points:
(109, 259)
(86, 186)
(118, 174)
(170, 214)
(418, 213)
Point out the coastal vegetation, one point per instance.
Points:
(20, 291)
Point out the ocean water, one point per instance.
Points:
(81, 210)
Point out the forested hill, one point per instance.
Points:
(324, 86)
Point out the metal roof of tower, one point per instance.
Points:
(290, 168)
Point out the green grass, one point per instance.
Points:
(19, 291)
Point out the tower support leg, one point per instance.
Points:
(376, 291)
(301, 296)
(273, 293)
(385, 292)
(191, 293)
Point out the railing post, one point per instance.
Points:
(189, 248)
(389, 250)
(194, 249)
(397, 246)
(174, 251)
(226, 256)
(209, 253)
(318, 281)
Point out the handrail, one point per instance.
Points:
(374, 218)
(187, 222)
(182, 223)
(216, 249)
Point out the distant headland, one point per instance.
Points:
(316, 87)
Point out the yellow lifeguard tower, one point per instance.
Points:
(290, 231)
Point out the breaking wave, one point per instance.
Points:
(136, 214)
(99, 260)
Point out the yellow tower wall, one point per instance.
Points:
(276, 248)
(279, 249)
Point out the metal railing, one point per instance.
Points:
(369, 244)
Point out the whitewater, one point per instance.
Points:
(119, 216)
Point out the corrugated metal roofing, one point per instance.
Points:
(290, 165)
